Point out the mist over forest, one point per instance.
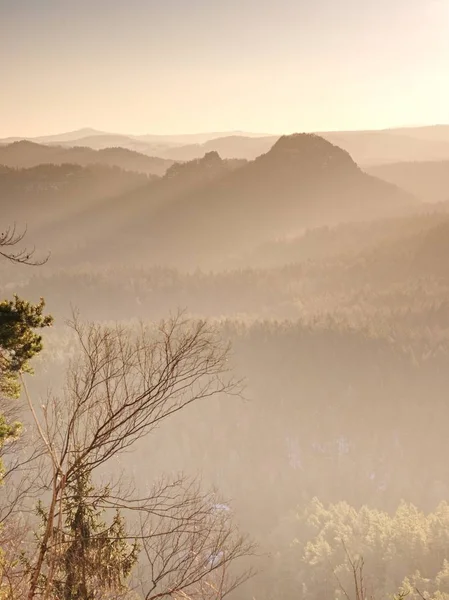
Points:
(240, 378)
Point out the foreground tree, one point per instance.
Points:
(90, 557)
(123, 385)
(19, 344)
(18, 321)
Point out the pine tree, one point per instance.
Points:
(19, 343)
(89, 558)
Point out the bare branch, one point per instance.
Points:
(191, 549)
(124, 384)
(10, 238)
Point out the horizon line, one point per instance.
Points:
(221, 133)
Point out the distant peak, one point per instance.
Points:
(308, 148)
(301, 141)
(24, 143)
(211, 163)
(212, 156)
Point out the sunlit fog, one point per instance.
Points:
(224, 310)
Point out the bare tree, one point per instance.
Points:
(22, 481)
(13, 576)
(357, 566)
(19, 478)
(190, 550)
(216, 586)
(123, 385)
(10, 239)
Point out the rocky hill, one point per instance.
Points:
(302, 182)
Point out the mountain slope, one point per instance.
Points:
(196, 138)
(25, 154)
(302, 182)
(426, 132)
(427, 180)
(207, 210)
(68, 136)
(33, 195)
(235, 146)
(375, 147)
(366, 147)
(49, 200)
(107, 140)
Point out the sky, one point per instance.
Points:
(189, 66)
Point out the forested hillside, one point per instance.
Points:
(331, 287)
(210, 210)
(24, 154)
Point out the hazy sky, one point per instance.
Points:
(180, 66)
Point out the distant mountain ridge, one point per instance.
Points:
(428, 143)
(427, 180)
(209, 208)
(25, 154)
(369, 148)
(47, 197)
(59, 137)
(234, 146)
(89, 135)
(303, 181)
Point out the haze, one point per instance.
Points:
(182, 66)
(224, 300)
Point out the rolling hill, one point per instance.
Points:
(48, 198)
(427, 132)
(427, 180)
(368, 148)
(68, 136)
(302, 182)
(107, 140)
(211, 209)
(235, 146)
(25, 154)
